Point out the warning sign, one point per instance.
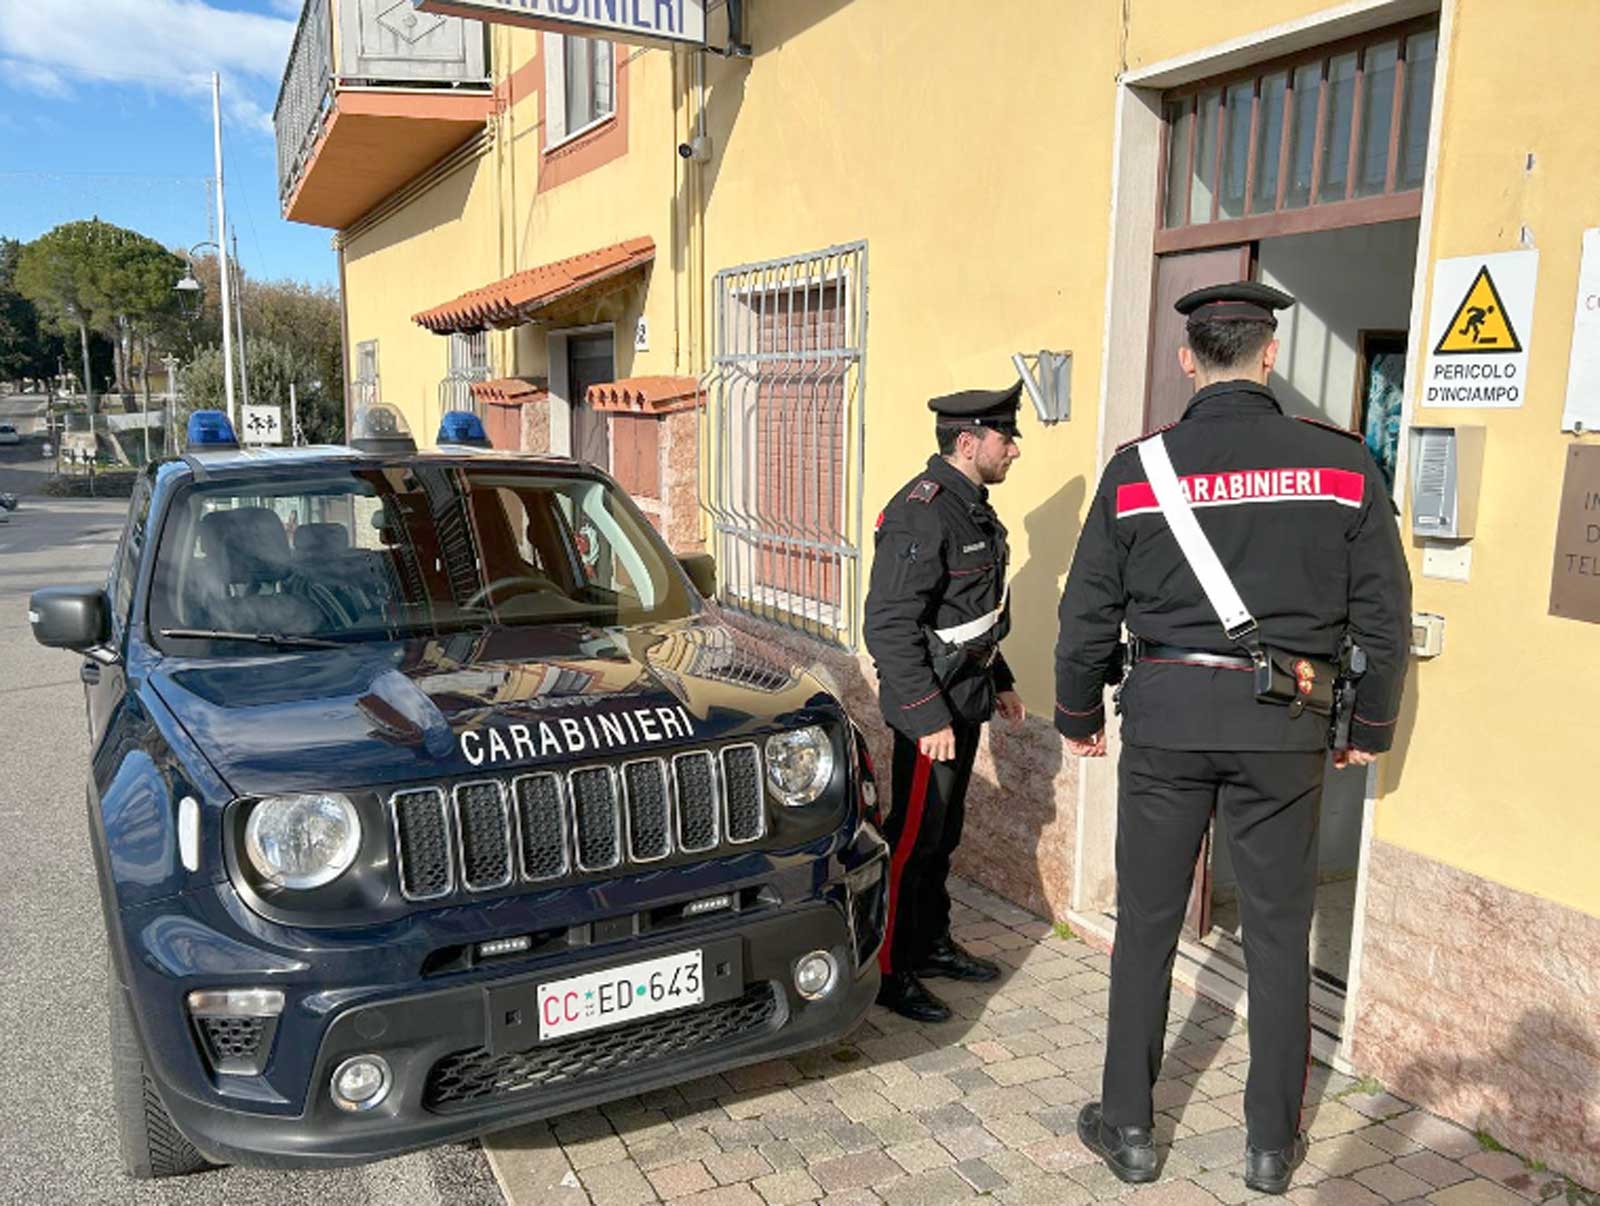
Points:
(1481, 322)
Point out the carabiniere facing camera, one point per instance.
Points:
(430, 795)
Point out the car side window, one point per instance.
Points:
(125, 569)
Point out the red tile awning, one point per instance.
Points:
(647, 395)
(507, 391)
(519, 297)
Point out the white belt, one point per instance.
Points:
(973, 629)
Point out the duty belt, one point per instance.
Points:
(1148, 651)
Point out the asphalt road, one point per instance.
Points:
(57, 1143)
(23, 467)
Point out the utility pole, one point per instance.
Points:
(222, 249)
(238, 314)
(171, 441)
(294, 416)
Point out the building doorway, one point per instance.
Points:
(590, 361)
(1307, 171)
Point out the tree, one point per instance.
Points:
(273, 367)
(93, 276)
(304, 320)
(25, 351)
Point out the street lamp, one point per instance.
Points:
(189, 291)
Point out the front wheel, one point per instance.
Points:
(152, 1146)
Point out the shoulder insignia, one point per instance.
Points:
(924, 491)
(1333, 427)
(879, 524)
(1139, 439)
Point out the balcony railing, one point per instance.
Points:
(372, 47)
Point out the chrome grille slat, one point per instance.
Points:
(694, 779)
(743, 799)
(541, 831)
(542, 826)
(648, 809)
(596, 818)
(483, 826)
(422, 843)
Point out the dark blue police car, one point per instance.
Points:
(430, 795)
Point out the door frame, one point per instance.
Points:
(1129, 296)
(561, 382)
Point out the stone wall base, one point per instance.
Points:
(1482, 1003)
(1021, 820)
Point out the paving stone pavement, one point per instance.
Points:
(984, 1106)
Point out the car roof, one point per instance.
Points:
(245, 462)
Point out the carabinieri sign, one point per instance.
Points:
(650, 22)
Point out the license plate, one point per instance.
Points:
(621, 994)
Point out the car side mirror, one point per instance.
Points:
(70, 617)
(702, 571)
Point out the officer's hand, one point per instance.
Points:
(1094, 747)
(1010, 706)
(940, 746)
(1352, 757)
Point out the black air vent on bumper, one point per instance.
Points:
(476, 1077)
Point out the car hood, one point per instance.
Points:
(505, 699)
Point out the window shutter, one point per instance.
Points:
(555, 89)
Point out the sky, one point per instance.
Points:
(105, 110)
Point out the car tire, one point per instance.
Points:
(152, 1146)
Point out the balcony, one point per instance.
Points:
(375, 93)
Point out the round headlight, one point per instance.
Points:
(303, 841)
(799, 764)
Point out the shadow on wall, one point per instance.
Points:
(1537, 1092)
(1021, 809)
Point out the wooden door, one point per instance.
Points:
(589, 362)
(1176, 275)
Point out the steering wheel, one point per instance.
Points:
(523, 584)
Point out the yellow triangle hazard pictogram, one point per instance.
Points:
(1481, 324)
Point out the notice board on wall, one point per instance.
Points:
(1575, 574)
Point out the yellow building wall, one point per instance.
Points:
(974, 157)
(1491, 773)
(432, 250)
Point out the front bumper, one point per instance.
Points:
(416, 1033)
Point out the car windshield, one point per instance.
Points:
(353, 554)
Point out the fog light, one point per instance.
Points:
(361, 1083)
(815, 974)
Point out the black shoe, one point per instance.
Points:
(950, 961)
(1129, 1151)
(904, 994)
(1271, 1172)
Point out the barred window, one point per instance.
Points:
(785, 441)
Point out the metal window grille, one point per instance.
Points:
(785, 438)
(469, 363)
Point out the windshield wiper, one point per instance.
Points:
(281, 639)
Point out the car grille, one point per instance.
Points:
(540, 827)
(477, 1077)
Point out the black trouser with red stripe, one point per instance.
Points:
(1268, 805)
(930, 805)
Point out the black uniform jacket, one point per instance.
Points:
(1300, 518)
(940, 561)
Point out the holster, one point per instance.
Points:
(963, 673)
(1293, 680)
